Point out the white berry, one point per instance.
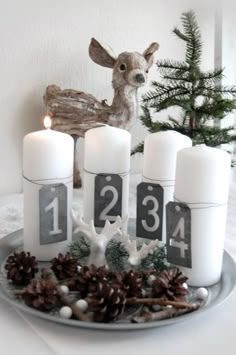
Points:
(64, 289)
(185, 285)
(150, 280)
(169, 306)
(65, 312)
(201, 293)
(82, 305)
(156, 307)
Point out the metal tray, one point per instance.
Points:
(217, 293)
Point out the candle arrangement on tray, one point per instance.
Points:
(106, 275)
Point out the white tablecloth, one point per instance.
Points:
(212, 332)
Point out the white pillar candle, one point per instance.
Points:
(202, 182)
(106, 150)
(159, 162)
(47, 160)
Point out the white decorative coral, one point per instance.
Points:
(98, 241)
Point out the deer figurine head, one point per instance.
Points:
(130, 71)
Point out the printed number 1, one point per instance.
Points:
(54, 206)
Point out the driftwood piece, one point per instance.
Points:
(75, 112)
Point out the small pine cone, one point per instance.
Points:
(169, 285)
(40, 294)
(107, 303)
(21, 268)
(130, 282)
(64, 266)
(88, 278)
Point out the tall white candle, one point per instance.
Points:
(159, 162)
(47, 160)
(106, 150)
(202, 182)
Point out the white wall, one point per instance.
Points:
(44, 42)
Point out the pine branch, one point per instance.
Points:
(138, 148)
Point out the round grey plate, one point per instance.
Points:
(217, 293)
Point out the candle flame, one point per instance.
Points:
(47, 122)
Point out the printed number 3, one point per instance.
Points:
(152, 212)
(104, 214)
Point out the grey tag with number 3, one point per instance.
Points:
(108, 198)
(149, 211)
(53, 213)
(178, 234)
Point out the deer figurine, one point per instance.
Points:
(74, 112)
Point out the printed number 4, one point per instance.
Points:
(179, 244)
(54, 206)
(153, 213)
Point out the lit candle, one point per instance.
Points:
(202, 182)
(159, 162)
(106, 151)
(48, 175)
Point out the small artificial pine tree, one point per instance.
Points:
(198, 94)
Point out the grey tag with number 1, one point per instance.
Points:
(178, 234)
(53, 213)
(108, 198)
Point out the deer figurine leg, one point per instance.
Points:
(76, 177)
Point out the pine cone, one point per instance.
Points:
(107, 303)
(88, 278)
(40, 294)
(169, 284)
(64, 266)
(21, 268)
(130, 282)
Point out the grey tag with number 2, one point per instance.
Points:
(108, 198)
(149, 211)
(53, 213)
(178, 234)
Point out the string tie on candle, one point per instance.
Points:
(40, 182)
(120, 174)
(203, 205)
(170, 183)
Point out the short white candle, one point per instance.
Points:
(159, 162)
(202, 182)
(106, 150)
(47, 159)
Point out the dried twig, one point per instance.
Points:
(165, 314)
(160, 302)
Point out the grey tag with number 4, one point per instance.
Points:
(149, 211)
(108, 198)
(53, 213)
(178, 234)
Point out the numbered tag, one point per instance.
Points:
(149, 211)
(178, 234)
(108, 198)
(53, 213)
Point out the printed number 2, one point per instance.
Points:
(104, 214)
(152, 212)
(54, 206)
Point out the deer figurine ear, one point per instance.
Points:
(100, 55)
(148, 53)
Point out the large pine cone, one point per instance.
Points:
(169, 284)
(64, 266)
(88, 278)
(130, 282)
(21, 268)
(40, 294)
(107, 303)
